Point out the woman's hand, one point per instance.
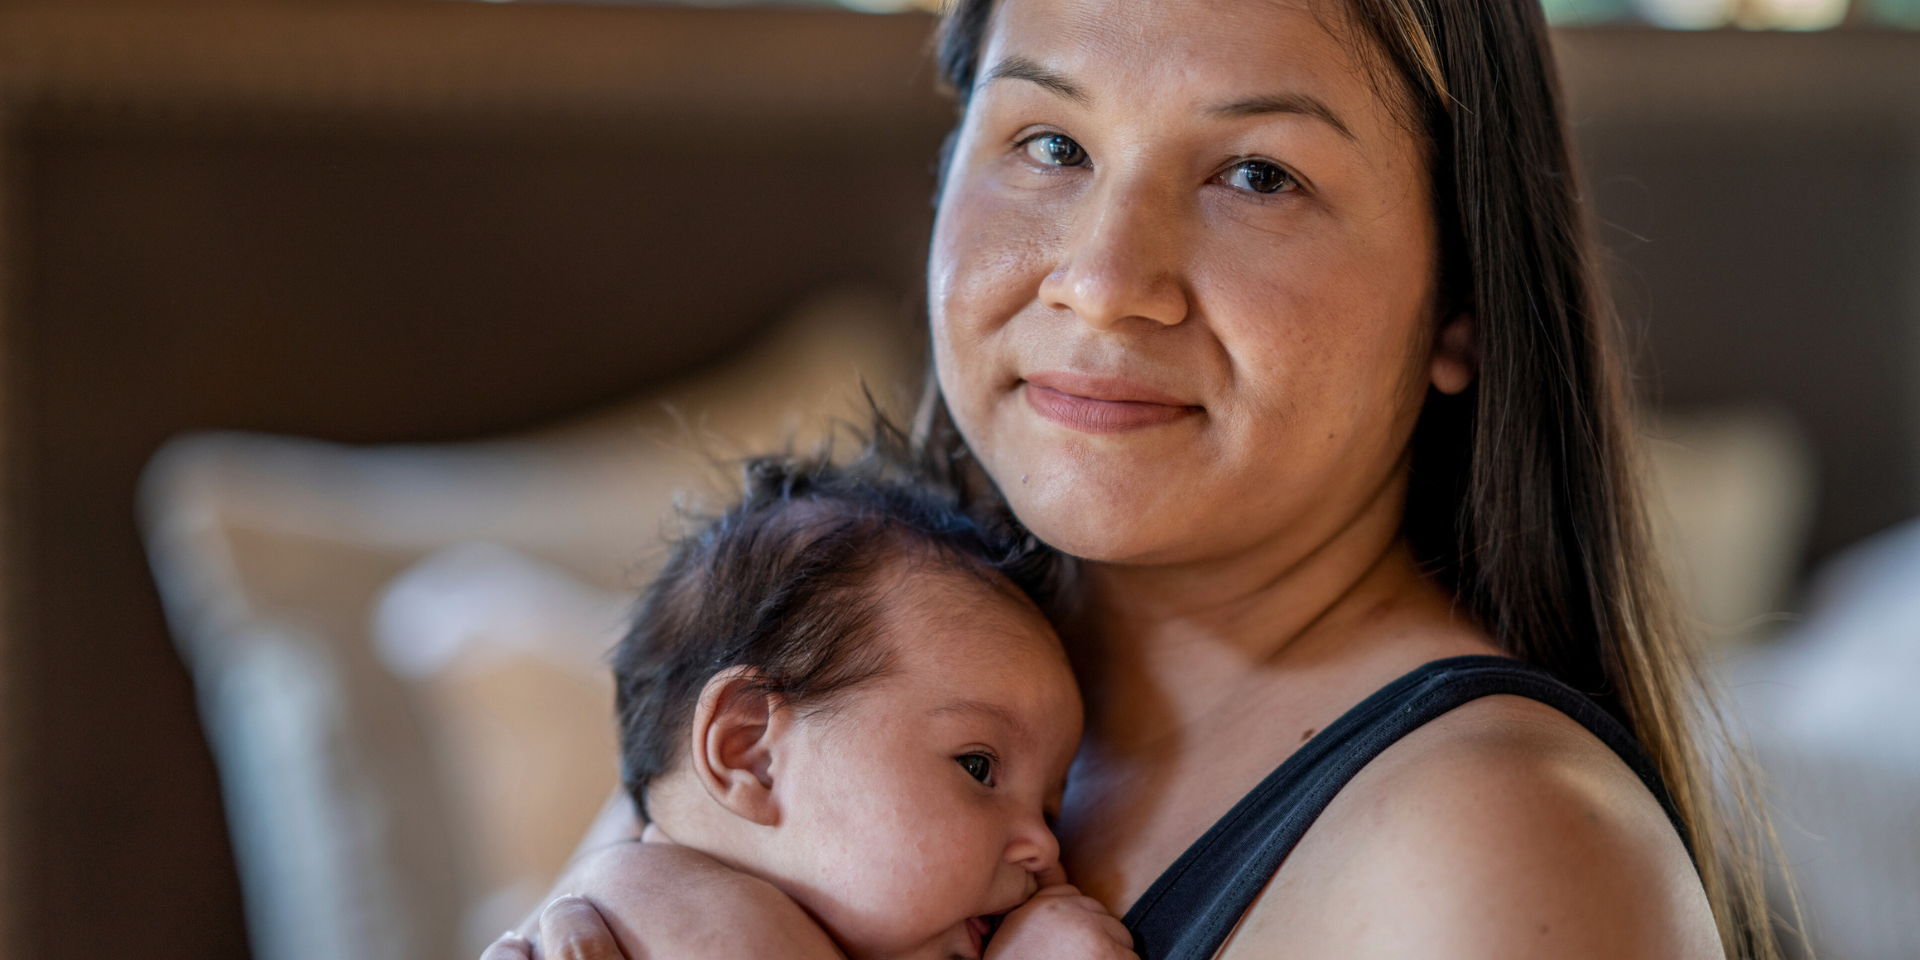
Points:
(573, 929)
(1060, 923)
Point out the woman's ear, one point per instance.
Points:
(737, 726)
(1456, 353)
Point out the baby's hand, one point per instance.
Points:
(1061, 924)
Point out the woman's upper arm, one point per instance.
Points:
(1506, 831)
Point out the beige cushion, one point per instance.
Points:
(1733, 504)
(396, 648)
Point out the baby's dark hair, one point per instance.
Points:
(784, 583)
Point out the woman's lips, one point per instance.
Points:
(1101, 404)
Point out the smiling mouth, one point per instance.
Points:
(1092, 405)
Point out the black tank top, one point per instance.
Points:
(1189, 911)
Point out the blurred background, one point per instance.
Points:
(354, 352)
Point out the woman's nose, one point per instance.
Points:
(1122, 258)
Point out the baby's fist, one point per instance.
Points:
(1061, 924)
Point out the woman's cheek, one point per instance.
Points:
(980, 295)
(994, 242)
(986, 270)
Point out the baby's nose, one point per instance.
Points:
(1037, 851)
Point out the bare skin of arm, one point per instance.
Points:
(661, 900)
(1503, 829)
(670, 892)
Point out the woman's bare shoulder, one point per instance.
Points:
(1501, 829)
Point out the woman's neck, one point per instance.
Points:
(1190, 637)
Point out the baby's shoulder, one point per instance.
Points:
(664, 900)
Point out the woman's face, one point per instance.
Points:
(1182, 283)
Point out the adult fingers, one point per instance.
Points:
(571, 929)
(510, 946)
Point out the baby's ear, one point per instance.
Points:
(735, 727)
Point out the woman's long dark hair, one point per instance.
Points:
(1526, 487)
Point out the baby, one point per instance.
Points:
(841, 687)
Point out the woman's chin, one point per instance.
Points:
(1135, 498)
(1093, 528)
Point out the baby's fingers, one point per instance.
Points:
(571, 929)
(1056, 890)
(1103, 921)
(1094, 912)
(1113, 928)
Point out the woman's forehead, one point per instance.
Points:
(1203, 51)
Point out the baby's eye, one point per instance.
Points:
(1260, 176)
(978, 766)
(1055, 150)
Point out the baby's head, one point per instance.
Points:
(842, 686)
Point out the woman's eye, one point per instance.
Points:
(1260, 176)
(1056, 150)
(978, 766)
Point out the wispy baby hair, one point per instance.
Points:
(784, 582)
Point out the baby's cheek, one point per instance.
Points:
(902, 881)
(927, 868)
(893, 856)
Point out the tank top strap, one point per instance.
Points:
(1192, 908)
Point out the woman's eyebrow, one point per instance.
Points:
(1021, 68)
(1298, 103)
